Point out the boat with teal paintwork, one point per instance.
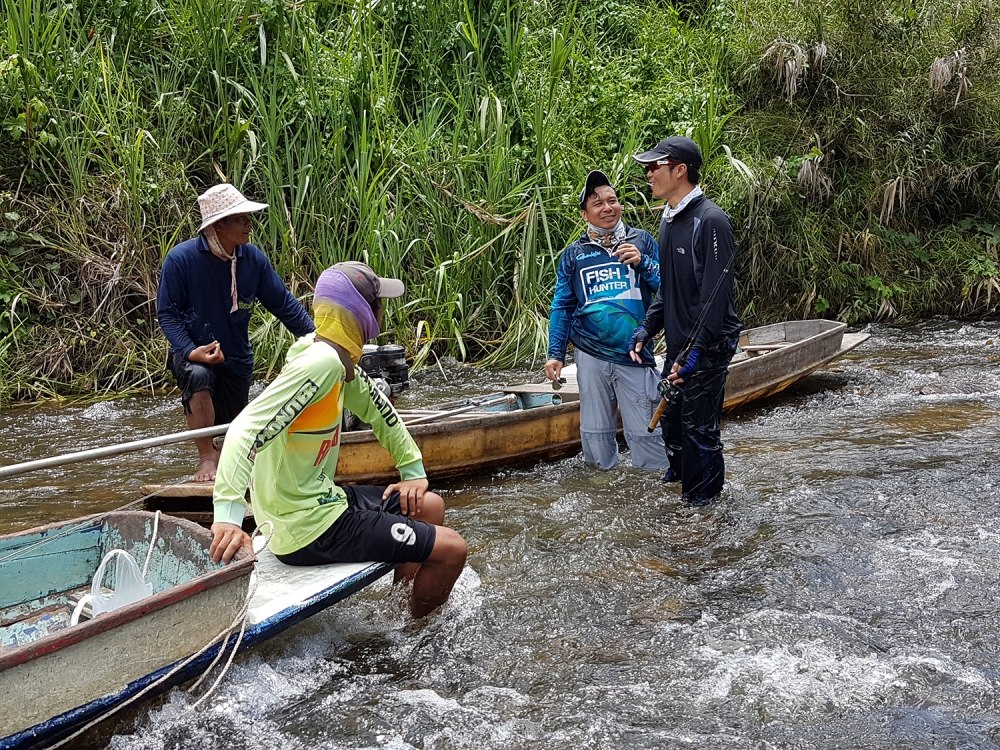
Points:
(65, 664)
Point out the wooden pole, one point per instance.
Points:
(179, 437)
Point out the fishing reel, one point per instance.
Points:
(386, 365)
(668, 391)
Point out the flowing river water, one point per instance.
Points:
(842, 594)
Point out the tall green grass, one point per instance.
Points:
(444, 140)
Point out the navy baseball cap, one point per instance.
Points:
(595, 179)
(676, 148)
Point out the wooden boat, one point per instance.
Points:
(534, 422)
(523, 424)
(58, 676)
(773, 357)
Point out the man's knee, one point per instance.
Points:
(200, 402)
(432, 510)
(200, 377)
(449, 547)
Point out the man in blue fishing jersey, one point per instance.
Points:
(695, 310)
(605, 281)
(207, 291)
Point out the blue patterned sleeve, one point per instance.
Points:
(649, 266)
(563, 306)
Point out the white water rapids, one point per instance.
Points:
(843, 593)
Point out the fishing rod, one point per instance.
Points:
(667, 389)
(670, 390)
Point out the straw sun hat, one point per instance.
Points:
(224, 200)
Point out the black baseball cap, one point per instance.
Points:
(676, 148)
(595, 179)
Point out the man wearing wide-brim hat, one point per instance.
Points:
(208, 287)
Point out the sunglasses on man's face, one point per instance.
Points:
(654, 165)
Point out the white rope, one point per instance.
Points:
(238, 621)
(242, 618)
(152, 541)
(132, 699)
(243, 624)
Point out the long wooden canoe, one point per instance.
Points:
(58, 676)
(534, 422)
(771, 358)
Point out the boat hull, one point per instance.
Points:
(77, 665)
(480, 444)
(60, 688)
(790, 351)
(774, 358)
(786, 353)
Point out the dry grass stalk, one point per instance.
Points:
(818, 56)
(894, 193)
(864, 249)
(945, 70)
(480, 213)
(788, 64)
(814, 182)
(959, 177)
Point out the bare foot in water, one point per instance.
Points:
(206, 470)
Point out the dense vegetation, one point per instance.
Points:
(856, 145)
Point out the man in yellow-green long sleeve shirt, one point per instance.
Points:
(284, 446)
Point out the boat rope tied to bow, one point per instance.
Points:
(239, 623)
(241, 618)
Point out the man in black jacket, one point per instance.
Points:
(695, 311)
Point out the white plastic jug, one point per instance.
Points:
(130, 586)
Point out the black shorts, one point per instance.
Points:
(230, 393)
(370, 529)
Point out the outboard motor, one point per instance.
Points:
(386, 365)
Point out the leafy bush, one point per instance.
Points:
(856, 147)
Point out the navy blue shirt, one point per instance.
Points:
(696, 280)
(194, 300)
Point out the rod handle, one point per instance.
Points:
(657, 415)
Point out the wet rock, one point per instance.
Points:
(944, 387)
